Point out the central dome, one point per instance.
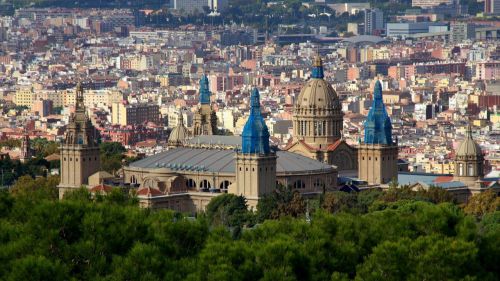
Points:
(317, 116)
(317, 92)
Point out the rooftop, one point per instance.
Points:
(223, 161)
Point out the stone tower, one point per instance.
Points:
(255, 162)
(26, 152)
(378, 154)
(80, 149)
(205, 119)
(469, 160)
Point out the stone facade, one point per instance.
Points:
(80, 149)
(378, 164)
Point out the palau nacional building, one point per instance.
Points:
(199, 164)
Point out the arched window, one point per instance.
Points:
(190, 184)
(133, 179)
(224, 185)
(461, 170)
(471, 170)
(299, 184)
(319, 184)
(205, 185)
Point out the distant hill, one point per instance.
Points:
(90, 3)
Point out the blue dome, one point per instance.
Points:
(255, 136)
(378, 127)
(204, 91)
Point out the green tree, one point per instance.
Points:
(37, 268)
(483, 203)
(228, 210)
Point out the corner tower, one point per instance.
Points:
(80, 149)
(378, 154)
(255, 162)
(205, 119)
(469, 160)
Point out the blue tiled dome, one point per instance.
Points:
(204, 91)
(378, 127)
(255, 136)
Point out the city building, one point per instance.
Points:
(378, 154)
(430, 3)
(80, 156)
(124, 113)
(461, 31)
(374, 22)
(402, 29)
(218, 5)
(492, 7)
(190, 6)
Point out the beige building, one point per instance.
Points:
(318, 124)
(186, 178)
(24, 97)
(80, 150)
(133, 114)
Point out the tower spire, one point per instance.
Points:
(204, 90)
(317, 69)
(378, 127)
(255, 135)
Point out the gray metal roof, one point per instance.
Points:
(216, 139)
(223, 161)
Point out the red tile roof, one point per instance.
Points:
(149, 192)
(101, 188)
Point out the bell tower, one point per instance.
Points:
(255, 162)
(79, 150)
(26, 152)
(378, 155)
(205, 119)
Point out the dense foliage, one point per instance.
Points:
(371, 236)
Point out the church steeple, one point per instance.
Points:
(204, 90)
(378, 127)
(255, 135)
(317, 69)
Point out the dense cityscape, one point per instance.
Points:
(341, 127)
